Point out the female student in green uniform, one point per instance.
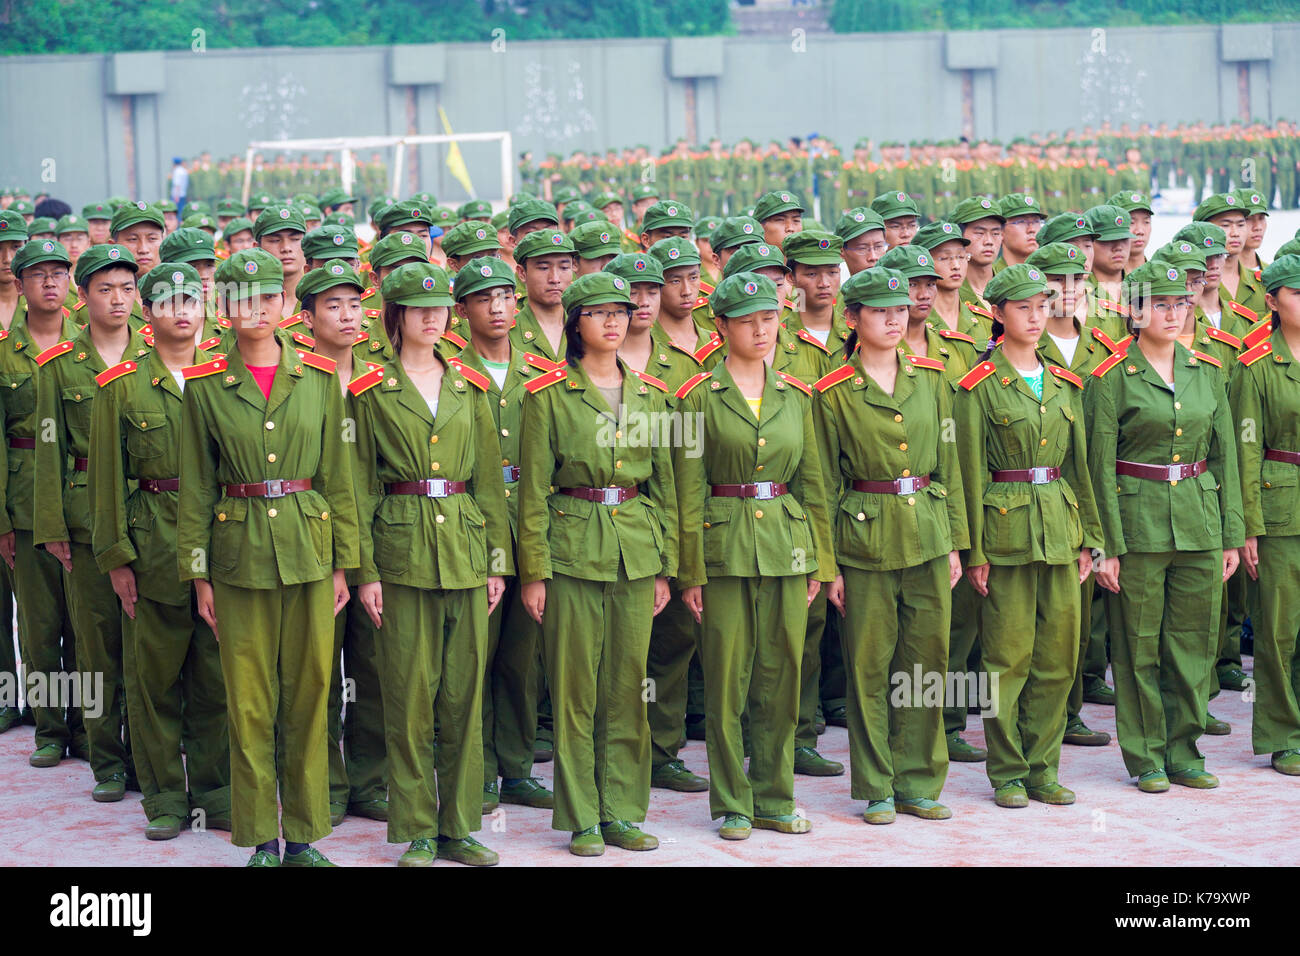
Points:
(435, 544)
(1265, 395)
(1033, 524)
(1164, 466)
(597, 543)
(266, 526)
(900, 521)
(755, 552)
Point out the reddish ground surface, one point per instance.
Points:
(48, 818)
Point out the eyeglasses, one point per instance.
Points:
(604, 315)
(48, 278)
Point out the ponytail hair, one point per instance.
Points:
(1276, 321)
(573, 347)
(995, 333)
(851, 343)
(393, 315)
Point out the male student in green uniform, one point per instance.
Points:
(544, 263)
(982, 225)
(863, 233)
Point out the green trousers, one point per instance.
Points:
(510, 689)
(356, 710)
(896, 631)
(8, 649)
(46, 638)
(810, 673)
(1275, 724)
(750, 645)
(97, 619)
(963, 643)
(834, 680)
(674, 637)
(275, 657)
(432, 649)
(172, 668)
(1168, 615)
(1090, 672)
(595, 638)
(1030, 644)
(695, 702)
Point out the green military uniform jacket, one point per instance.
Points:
(1002, 425)
(956, 350)
(1265, 399)
(570, 442)
(1247, 307)
(1104, 312)
(1093, 348)
(750, 537)
(1133, 416)
(868, 435)
(526, 335)
(233, 434)
(818, 359)
(668, 362)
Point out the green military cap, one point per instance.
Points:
(894, 205)
(470, 237)
(1217, 205)
(260, 201)
(378, 205)
(1289, 248)
(913, 261)
(39, 250)
(774, 203)
(753, 256)
(341, 219)
(863, 143)
(1108, 223)
(167, 280)
(198, 206)
(236, 225)
(857, 221)
(397, 247)
(229, 207)
(1015, 283)
(644, 191)
(166, 205)
(1282, 271)
(187, 244)
(704, 227)
(200, 221)
(594, 239)
(248, 272)
(278, 218)
(736, 231)
(1155, 278)
(567, 194)
(39, 225)
(813, 248)
(542, 242)
(403, 213)
(299, 199)
(1252, 199)
(114, 202)
(330, 242)
(97, 210)
(475, 209)
(97, 258)
(878, 286)
(596, 288)
(584, 215)
(1206, 236)
(743, 293)
(636, 267)
(332, 274)
(676, 251)
(1058, 259)
(531, 210)
(519, 196)
(1066, 226)
(500, 220)
(1180, 253)
(667, 213)
(1130, 200)
(934, 234)
(22, 207)
(70, 223)
(974, 208)
(443, 217)
(484, 272)
(336, 196)
(309, 212)
(604, 198)
(133, 213)
(1018, 204)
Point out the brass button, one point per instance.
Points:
(1178, 404)
(758, 467)
(270, 425)
(440, 519)
(1005, 420)
(762, 442)
(758, 513)
(1177, 457)
(1042, 441)
(271, 457)
(1042, 409)
(433, 440)
(618, 464)
(144, 424)
(505, 461)
(77, 396)
(862, 516)
(911, 501)
(618, 434)
(1178, 431)
(272, 513)
(434, 466)
(613, 511)
(898, 418)
(503, 403)
(507, 492)
(902, 446)
(1174, 482)
(707, 525)
(1002, 511)
(505, 433)
(221, 516)
(324, 516)
(1268, 484)
(907, 472)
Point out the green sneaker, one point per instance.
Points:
(961, 752)
(1011, 795)
(468, 851)
(786, 823)
(920, 807)
(735, 827)
(1287, 762)
(838, 716)
(262, 858)
(164, 827)
(370, 809)
(422, 852)
(111, 790)
(1153, 781)
(674, 776)
(491, 797)
(587, 842)
(809, 762)
(880, 811)
(47, 756)
(10, 717)
(1079, 734)
(308, 857)
(543, 747)
(1196, 779)
(527, 792)
(1051, 793)
(1100, 694)
(625, 836)
(1233, 678)
(337, 812)
(1214, 727)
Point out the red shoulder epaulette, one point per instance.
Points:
(4, 334)
(303, 339)
(52, 351)
(373, 313)
(550, 378)
(632, 236)
(980, 310)
(925, 362)
(1111, 361)
(955, 334)
(976, 375)
(317, 361)
(205, 368)
(117, 371)
(454, 339)
(1066, 374)
(224, 322)
(1259, 333)
(78, 304)
(290, 321)
(690, 383)
(473, 377)
(707, 349)
(148, 340)
(1207, 358)
(1221, 336)
(209, 344)
(67, 313)
(833, 378)
(1243, 311)
(1104, 339)
(369, 292)
(1125, 342)
(796, 382)
(706, 288)
(809, 337)
(657, 383)
(367, 380)
(146, 329)
(700, 302)
(1253, 355)
(542, 362)
(362, 336)
(1119, 308)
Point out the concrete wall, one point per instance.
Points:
(561, 95)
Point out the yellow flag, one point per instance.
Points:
(456, 162)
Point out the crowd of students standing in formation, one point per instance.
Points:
(537, 463)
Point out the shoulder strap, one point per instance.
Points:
(834, 378)
(1111, 361)
(366, 380)
(976, 375)
(542, 381)
(116, 372)
(204, 369)
(53, 351)
(1253, 355)
(478, 380)
(924, 362)
(796, 382)
(320, 362)
(1207, 358)
(650, 379)
(1066, 374)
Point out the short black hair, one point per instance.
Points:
(53, 208)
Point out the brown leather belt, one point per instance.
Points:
(80, 464)
(1173, 472)
(429, 487)
(605, 496)
(159, 485)
(510, 473)
(899, 486)
(28, 443)
(1041, 475)
(1277, 454)
(271, 488)
(763, 490)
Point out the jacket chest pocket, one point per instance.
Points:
(147, 434)
(1008, 431)
(569, 528)
(801, 546)
(228, 533)
(19, 393)
(1006, 525)
(394, 533)
(1278, 494)
(717, 524)
(77, 401)
(1065, 428)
